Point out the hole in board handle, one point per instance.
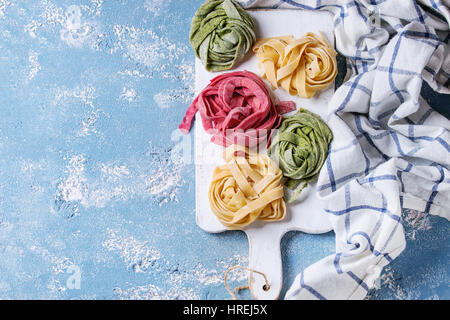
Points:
(266, 287)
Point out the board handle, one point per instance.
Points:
(265, 257)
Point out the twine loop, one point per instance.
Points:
(266, 286)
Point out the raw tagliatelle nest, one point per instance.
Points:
(246, 188)
(300, 148)
(236, 108)
(221, 33)
(300, 66)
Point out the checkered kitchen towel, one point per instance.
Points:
(390, 149)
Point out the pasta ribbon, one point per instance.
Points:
(300, 148)
(300, 66)
(236, 108)
(221, 33)
(246, 188)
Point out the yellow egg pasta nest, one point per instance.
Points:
(300, 66)
(246, 188)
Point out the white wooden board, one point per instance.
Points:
(306, 215)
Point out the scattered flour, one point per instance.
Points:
(74, 187)
(214, 276)
(75, 29)
(152, 292)
(115, 172)
(414, 222)
(150, 55)
(34, 64)
(140, 257)
(184, 284)
(158, 176)
(162, 181)
(87, 95)
(132, 73)
(58, 264)
(56, 283)
(88, 124)
(51, 14)
(145, 47)
(162, 100)
(184, 76)
(155, 6)
(97, 6)
(32, 28)
(29, 166)
(4, 4)
(389, 280)
(137, 255)
(128, 94)
(84, 93)
(166, 98)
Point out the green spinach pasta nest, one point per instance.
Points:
(300, 148)
(221, 33)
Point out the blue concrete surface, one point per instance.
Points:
(92, 204)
